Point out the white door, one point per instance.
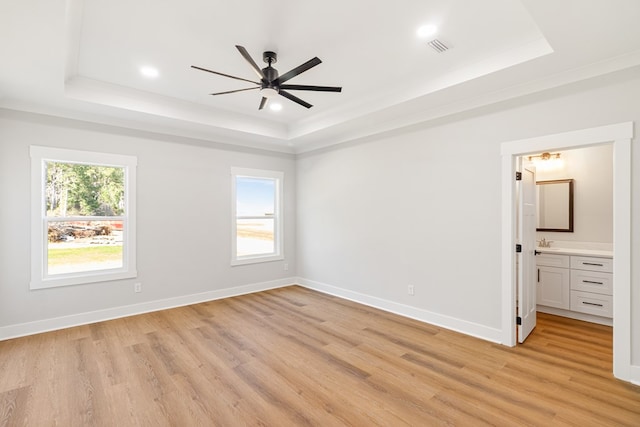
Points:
(527, 276)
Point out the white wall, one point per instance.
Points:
(422, 206)
(184, 220)
(419, 206)
(591, 169)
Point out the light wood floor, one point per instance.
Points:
(295, 357)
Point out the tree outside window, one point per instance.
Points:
(77, 194)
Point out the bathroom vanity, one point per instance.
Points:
(576, 283)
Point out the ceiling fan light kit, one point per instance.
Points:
(268, 92)
(271, 83)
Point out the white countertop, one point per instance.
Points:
(572, 251)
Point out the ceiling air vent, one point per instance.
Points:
(438, 46)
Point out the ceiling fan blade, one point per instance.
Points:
(234, 91)
(251, 62)
(298, 70)
(224, 75)
(295, 99)
(263, 102)
(315, 88)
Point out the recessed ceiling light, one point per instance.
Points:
(149, 72)
(275, 106)
(426, 31)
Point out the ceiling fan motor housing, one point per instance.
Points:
(271, 74)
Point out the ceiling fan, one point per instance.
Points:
(271, 84)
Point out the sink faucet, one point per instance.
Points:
(544, 243)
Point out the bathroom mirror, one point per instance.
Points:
(555, 205)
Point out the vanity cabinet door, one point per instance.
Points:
(554, 287)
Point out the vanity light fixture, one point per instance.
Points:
(547, 161)
(545, 156)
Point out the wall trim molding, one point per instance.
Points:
(634, 374)
(447, 322)
(575, 315)
(79, 319)
(51, 116)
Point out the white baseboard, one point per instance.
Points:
(634, 375)
(576, 315)
(46, 325)
(447, 322)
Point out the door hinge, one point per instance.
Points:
(518, 320)
(518, 248)
(518, 176)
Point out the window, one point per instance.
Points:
(83, 217)
(257, 216)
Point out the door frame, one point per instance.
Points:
(619, 135)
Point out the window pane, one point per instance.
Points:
(255, 196)
(78, 246)
(84, 190)
(255, 237)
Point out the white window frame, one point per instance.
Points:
(278, 253)
(39, 238)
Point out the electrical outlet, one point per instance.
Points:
(286, 267)
(137, 287)
(411, 290)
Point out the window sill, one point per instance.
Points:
(256, 260)
(81, 279)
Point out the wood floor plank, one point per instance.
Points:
(14, 405)
(296, 357)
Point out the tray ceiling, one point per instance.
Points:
(82, 59)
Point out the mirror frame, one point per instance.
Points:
(561, 181)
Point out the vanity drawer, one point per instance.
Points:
(592, 263)
(586, 302)
(592, 281)
(553, 260)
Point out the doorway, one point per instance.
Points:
(570, 186)
(620, 136)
